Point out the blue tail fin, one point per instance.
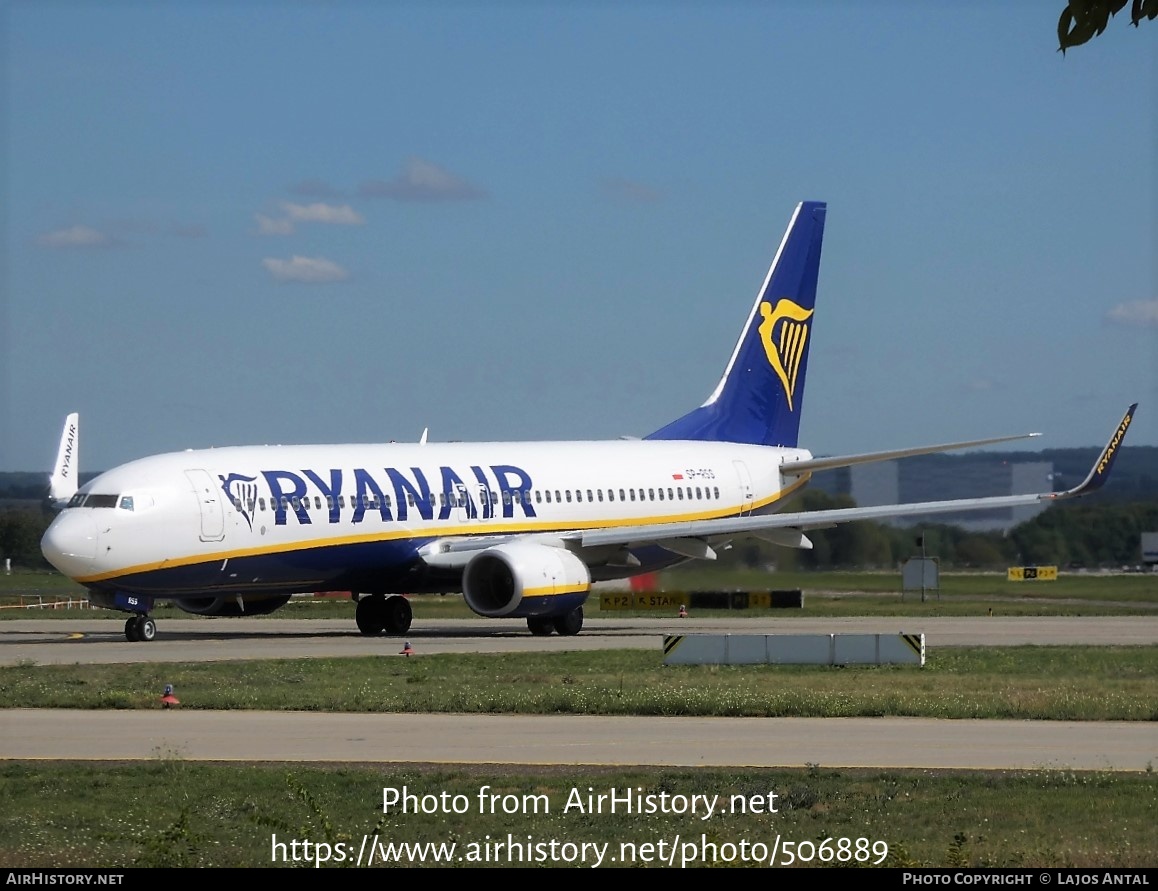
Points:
(758, 399)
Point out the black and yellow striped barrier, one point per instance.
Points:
(647, 600)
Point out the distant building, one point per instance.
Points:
(1150, 548)
(941, 478)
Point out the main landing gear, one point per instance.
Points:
(566, 625)
(376, 614)
(139, 628)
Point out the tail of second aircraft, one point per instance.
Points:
(62, 484)
(758, 399)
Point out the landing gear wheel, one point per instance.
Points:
(397, 615)
(570, 624)
(540, 626)
(138, 628)
(371, 615)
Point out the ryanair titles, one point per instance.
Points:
(1107, 457)
(479, 493)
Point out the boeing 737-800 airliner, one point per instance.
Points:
(521, 529)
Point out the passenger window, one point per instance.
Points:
(548, 496)
(621, 498)
(568, 496)
(670, 497)
(589, 498)
(651, 494)
(716, 491)
(539, 496)
(681, 493)
(661, 494)
(261, 503)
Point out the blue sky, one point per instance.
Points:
(345, 222)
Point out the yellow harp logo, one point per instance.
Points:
(784, 332)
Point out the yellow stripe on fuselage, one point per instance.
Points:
(484, 527)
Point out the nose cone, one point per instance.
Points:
(70, 544)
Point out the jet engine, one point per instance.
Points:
(249, 605)
(524, 579)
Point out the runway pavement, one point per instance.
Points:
(577, 740)
(99, 641)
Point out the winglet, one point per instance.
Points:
(62, 482)
(1100, 472)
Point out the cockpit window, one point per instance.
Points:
(127, 502)
(77, 500)
(102, 500)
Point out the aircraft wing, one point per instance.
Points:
(813, 464)
(689, 538)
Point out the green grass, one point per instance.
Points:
(1043, 683)
(173, 813)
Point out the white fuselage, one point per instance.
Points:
(287, 519)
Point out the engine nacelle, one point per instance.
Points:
(525, 579)
(250, 605)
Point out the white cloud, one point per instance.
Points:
(339, 215)
(1135, 312)
(305, 269)
(76, 237)
(273, 226)
(422, 181)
